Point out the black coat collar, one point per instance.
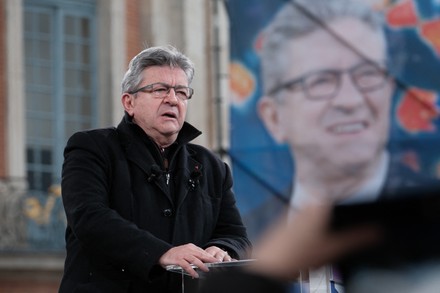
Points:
(141, 150)
(128, 127)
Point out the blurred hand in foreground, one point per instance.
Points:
(303, 239)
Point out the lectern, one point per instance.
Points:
(190, 285)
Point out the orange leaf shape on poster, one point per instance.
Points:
(242, 83)
(431, 32)
(417, 110)
(403, 14)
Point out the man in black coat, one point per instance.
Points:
(141, 197)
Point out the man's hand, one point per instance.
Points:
(219, 254)
(187, 255)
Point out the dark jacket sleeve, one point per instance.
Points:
(230, 232)
(93, 225)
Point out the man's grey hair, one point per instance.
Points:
(155, 56)
(292, 22)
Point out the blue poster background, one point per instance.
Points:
(263, 169)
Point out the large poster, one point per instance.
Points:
(399, 89)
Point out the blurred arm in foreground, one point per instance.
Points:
(299, 241)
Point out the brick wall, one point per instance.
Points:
(30, 273)
(133, 28)
(33, 287)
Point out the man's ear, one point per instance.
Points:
(127, 102)
(268, 112)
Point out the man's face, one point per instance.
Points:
(160, 118)
(346, 130)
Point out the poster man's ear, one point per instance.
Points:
(268, 112)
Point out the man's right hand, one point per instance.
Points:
(185, 256)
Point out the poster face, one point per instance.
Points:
(332, 101)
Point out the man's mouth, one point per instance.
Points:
(348, 128)
(170, 115)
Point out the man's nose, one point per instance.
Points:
(171, 96)
(349, 96)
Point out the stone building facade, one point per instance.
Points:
(63, 61)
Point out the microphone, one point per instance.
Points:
(155, 174)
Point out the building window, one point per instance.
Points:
(60, 82)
